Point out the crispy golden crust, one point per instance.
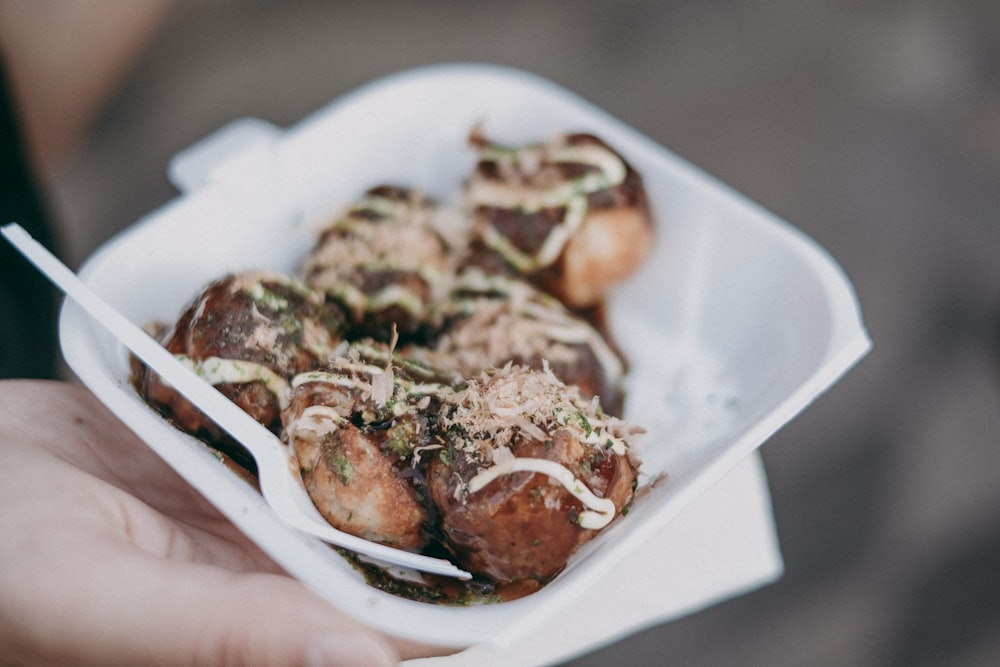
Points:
(384, 261)
(525, 524)
(356, 428)
(490, 321)
(254, 331)
(570, 215)
(358, 484)
(607, 249)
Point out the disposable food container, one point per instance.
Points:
(733, 325)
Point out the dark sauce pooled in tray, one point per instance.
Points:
(437, 589)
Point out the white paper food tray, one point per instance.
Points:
(734, 324)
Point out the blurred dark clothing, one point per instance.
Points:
(27, 300)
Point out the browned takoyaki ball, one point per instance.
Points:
(569, 214)
(357, 429)
(385, 261)
(531, 472)
(247, 334)
(490, 320)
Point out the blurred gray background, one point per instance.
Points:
(874, 126)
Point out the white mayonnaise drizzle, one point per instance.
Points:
(216, 370)
(571, 194)
(565, 329)
(601, 510)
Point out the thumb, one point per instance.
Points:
(146, 610)
(269, 619)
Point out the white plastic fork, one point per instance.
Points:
(281, 488)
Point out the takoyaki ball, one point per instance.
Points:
(489, 321)
(385, 260)
(358, 429)
(570, 214)
(531, 472)
(247, 334)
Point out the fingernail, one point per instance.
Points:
(359, 650)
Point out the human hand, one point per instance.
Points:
(110, 558)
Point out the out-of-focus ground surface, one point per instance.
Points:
(874, 126)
